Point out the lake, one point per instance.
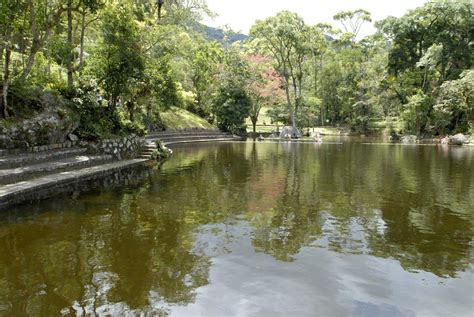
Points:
(342, 228)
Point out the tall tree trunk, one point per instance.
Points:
(297, 96)
(316, 73)
(254, 124)
(2, 47)
(38, 40)
(83, 31)
(35, 43)
(288, 100)
(70, 60)
(300, 92)
(6, 82)
(35, 48)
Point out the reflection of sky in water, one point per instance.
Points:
(318, 283)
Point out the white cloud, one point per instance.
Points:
(240, 15)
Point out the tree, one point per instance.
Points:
(10, 24)
(205, 60)
(454, 107)
(429, 45)
(119, 60)
(86, 8)
(318, 47)
(231, 106)
(264, 86)
(444, 22)
(42, 20)
(416, 113)
(352, 21)
(283, 36)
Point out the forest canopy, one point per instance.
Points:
(118, 64)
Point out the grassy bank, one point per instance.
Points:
(180, 119)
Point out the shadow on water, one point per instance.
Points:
(215, 214)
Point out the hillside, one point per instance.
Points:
(179, 119)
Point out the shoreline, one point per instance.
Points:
(79, 180)
(50, 185)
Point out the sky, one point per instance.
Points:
(240, 15)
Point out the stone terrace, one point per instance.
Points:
(44, 171)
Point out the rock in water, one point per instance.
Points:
(458, 139)
(407, 139)
(290, 133)
(73, 137)
(316, 137)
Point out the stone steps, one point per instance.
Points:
(168, 138)
(32, 175)
(228, 138)
(17, 174)
(51, 184)
(43, 171)
(194, 137)
(182, 133)
(149, 149)
(12, 161)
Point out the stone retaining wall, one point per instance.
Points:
(119, 173)
(121, 148)
(37, 149)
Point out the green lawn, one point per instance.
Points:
(264, 125)
(180, 119)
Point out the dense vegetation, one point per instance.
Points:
(118, 64)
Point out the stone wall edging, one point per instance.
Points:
(38, 148)
(64, 183)
(128, 147)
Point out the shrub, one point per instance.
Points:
(416, 113)
(95, 121)
(231, 106)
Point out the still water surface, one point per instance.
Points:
(254, 229)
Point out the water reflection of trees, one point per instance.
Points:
(389, 201)
(134, 250)
(124, 257)
(397, 198)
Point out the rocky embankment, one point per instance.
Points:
(458, 139)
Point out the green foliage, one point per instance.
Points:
(161, 153)
(25, 98)
(118, 60)
(304, 75)
(454, 108)
(431, 47)
(285, 38)
(444, 22)
(352, 21)
(95, 121)
(165, 89)
(416, 113)
(204, 68)
(231, 106)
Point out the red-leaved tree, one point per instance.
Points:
(264, 86)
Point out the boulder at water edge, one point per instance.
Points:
(290, 133)
(458, 139)
(407, 139)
